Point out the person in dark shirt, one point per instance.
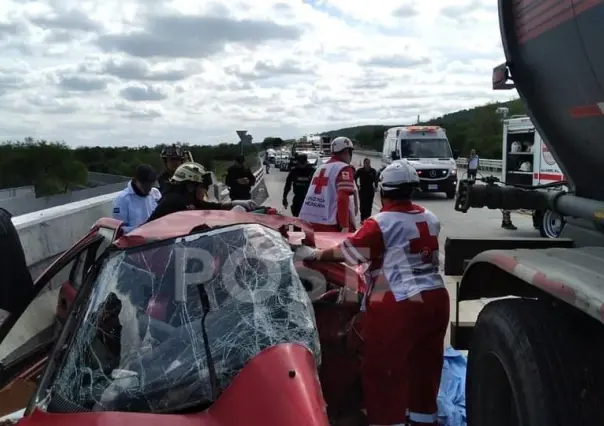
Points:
(240, 180)
(187, 191)
(172, 156)
(367, 179)
(299, 177)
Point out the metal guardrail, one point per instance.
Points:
(486, 164)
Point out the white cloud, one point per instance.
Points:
(150, 71)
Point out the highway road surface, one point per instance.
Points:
(474, 223)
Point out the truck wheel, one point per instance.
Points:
(531, 364)
(551, 225)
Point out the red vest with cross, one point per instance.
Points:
(321, 201)
(410, 263)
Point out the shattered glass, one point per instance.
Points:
(139, 345)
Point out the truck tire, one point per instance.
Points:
(533, 364)
(551, 225)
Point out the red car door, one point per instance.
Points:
(30, 328)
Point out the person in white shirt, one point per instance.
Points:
(135, 203)
(473, 164)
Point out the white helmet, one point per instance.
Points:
(193, 173)
(526, 167)
(397, 174)
(516, 147)
(340, 144)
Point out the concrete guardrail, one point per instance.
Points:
(486, 164)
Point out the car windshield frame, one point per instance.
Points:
(410, 147)
(265, 305)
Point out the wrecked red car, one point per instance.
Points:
(203, 317)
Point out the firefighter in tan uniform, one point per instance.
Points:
(406, 303)
(328, 203)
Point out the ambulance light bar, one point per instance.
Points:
(423, 129)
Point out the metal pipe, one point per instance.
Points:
(512, 198)
(579, 207)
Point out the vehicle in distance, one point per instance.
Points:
(427, 149)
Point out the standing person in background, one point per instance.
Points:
(506, 220)
(240, 180)
(367, 179)
(299, 177)
(473, 165)
(172, 157)
(138, 200)
(327, 205)
(188, 191)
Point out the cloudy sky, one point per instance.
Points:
(133, 72)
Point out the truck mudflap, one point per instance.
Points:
(572, 275)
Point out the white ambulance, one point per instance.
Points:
(527, 161)
(428, 150)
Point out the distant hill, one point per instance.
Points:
(478, 128)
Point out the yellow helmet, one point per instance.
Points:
(192, 172)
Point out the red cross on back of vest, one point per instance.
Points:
(319, 182)
(425, 244)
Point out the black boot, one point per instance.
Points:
(506, 222)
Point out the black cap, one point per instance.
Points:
(240, 159)
(145, 174)
(302, 158)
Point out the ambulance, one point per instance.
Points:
(428, 150)
(527, 161)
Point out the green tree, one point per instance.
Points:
(478, 128)
(271, 142)
(53, 167)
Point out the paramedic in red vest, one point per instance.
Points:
(406, 306)
(327, 205)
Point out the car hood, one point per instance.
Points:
(281, 400)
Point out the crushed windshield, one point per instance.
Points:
(425, 148)
(139, 345)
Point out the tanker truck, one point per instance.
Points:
(535, 351)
